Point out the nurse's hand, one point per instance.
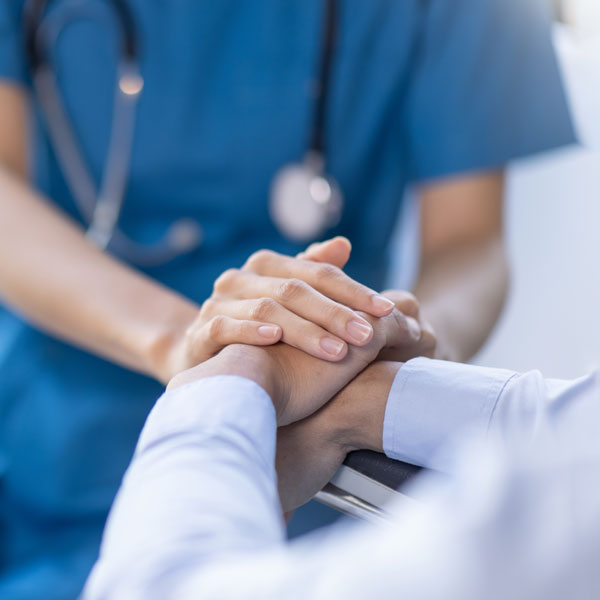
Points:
(405, 347)
(307, 304)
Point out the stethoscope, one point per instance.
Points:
(304, 201)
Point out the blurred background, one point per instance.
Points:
(551, 319)
(69, 420)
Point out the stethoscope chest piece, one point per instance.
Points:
(304, 201)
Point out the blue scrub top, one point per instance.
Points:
(420, 90)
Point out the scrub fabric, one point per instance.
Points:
(420, 90)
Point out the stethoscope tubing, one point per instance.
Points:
(317, 142)
(101, 208)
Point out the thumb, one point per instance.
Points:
(335, 252)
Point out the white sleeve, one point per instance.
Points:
(197, 515)
(434, 405)
(201, 484)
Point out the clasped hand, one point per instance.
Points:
(308, 302)
(301, 384)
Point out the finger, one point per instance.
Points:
(405, 302)
(296, 331)
(401, 330)
(316, 246)
(301, 299)
(335, 252)
(402, 353)
(406, 338)
(428, 344)
(331, 281)
(221, 331)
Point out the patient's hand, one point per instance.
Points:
(303, 384)
(403, 349)
(310, 451)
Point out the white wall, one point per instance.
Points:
(552, 319)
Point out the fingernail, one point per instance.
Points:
(331, 346)
(268, 331)
(413, 328)
(359, 331)
(381, 303)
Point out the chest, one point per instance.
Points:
(229, 90)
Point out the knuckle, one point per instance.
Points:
(207, 307)
(411, 302)
(190, 336)
(262, 309)
(333, 312)
(246, 330)
(258, 259)
(406, 302)
(215, 327)
(290, 289)
(225, 279)
(326, 272)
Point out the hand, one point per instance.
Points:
(305, 384)
(403, 348)
(308, 305)
(299, 384)
(309, 452)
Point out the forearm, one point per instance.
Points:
(67, 287)
(359, 409)
(415, 411)
(462, 291)
(201, 488)
(196, 515)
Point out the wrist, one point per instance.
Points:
(254, 363)
(357, 413)
(250, 362)
(166, 352)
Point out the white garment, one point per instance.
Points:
(197, 515)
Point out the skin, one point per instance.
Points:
(463, 276)
(298, 383)
(462, 284)
(309, 452)
(166, 333)
(315, 433)
(461, 287)
(313, 307)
